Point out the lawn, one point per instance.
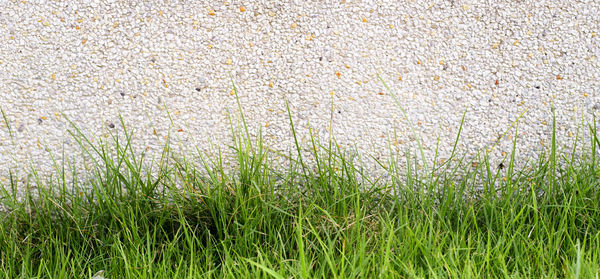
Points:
(326, 219)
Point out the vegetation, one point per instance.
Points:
(328, 219)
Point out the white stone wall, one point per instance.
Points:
(91, 61)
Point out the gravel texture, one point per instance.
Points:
(91, 61)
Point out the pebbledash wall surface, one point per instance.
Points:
(91, 61)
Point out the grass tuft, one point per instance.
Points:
(171, 219)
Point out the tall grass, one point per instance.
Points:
(170, 219)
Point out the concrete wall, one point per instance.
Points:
(94, 60)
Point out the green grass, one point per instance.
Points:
(328, 219)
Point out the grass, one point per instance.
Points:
(172, 219)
